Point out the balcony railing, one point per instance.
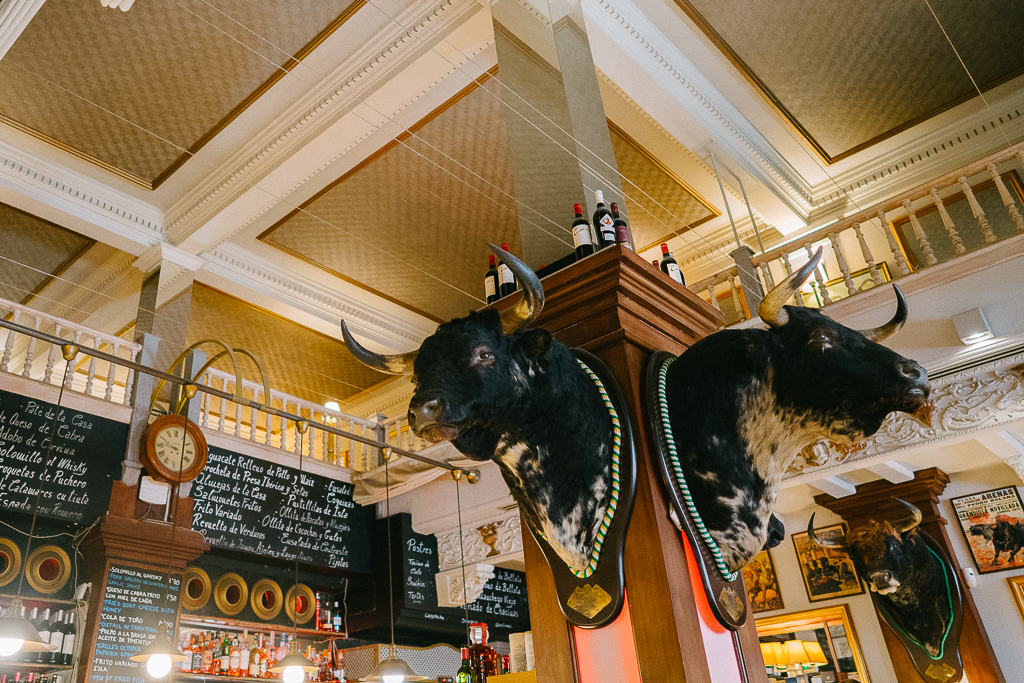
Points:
(973, 207)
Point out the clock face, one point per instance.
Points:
(168, 445)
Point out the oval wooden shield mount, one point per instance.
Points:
(728, 599)
(595, 601)
(948, 668)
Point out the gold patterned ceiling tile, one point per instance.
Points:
(32, 252)
(139, 92)
(848, 75)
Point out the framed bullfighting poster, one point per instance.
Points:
(762, 584)
(827, 572)
(993, 525)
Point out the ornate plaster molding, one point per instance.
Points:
(631, 30)
(965, 402)
(494, 540)
(449, 584)
(1017, 463)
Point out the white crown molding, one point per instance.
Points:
(160, 252)
(288, 286)
(61, 188)
(646, 45)
(77, 309)
(14, 17)
(387, 52)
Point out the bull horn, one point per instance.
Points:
(909, 522)
(771, 310)
(529, 307)
(818, 541)
(882, 333)
(394, 364)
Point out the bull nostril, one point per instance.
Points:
(431, 409)
(912, 370)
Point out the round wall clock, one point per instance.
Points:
(175, 448)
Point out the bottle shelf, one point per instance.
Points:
(32, 667)
(214, 624)
(210, 678)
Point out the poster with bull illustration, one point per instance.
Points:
(993, 524)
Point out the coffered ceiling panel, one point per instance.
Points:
(138, 91)
(32, 252)
(850, 74)
(298, 361)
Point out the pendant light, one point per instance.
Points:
(393, 669)
(17, 634)
(293, 667)
(161, 653)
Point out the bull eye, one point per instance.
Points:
(482, 356)
(822, 339)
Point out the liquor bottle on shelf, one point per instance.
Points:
(56, 639)
(225, 654)
(207, 654)
(67, 649)
(465, 672)
(243, 654)
(483, 658)
(603, 222)
(234, 658)
(38, 625)
(254, 657)
(325, 621)
(669, 265)
(337, 618)
(581, 238)
(506, 286)
(621, 229)
(491, 283)
(316, 607)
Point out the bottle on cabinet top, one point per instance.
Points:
(581, 238)
(483, 658)
(465, 672)
(491, 283)
(604, 223)
(669, 265)
(621, 229)
(506, 279)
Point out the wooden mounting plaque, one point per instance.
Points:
(949, 668)
(728, 599)
(596, 600)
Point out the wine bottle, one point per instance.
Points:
(604, 223)
(34, 620)
(56, 639)
(669, 265)
(621, 229)
(581, 234)
(465, 672)
(506, 280)
(254, 659)
(325, 621)
(491, 283)
(67, 648)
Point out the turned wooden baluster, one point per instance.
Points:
(876, 276)
(5, 362)
(30, 352)
(789, 271)
(825, 298)
(894, 247)
(51, 359)
(223, 406)
(238, 417)
(711, 296)
(843, 268)
(269, 421)
(736, 297)
(926, 247)
(1007, 199)
(954, 236)
(766, 277)
(109, 393)
(254, 415)
(204, 404)
(976, 209)
(71, 375)
(131, 377)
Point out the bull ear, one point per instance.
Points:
(534, 343)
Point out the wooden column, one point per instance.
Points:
(876, 501)
(621, 308)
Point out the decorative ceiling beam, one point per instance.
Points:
(14, 17)
(837, 487)
(892, 471)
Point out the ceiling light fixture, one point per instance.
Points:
(17, 634)
(972, 326)
(393, 669)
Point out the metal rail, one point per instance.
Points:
(471, 475)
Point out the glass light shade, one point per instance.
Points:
(814, 653)
(158, 656)
(293, 659)
(394, 670)
(18, 635)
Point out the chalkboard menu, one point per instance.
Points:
(84, 461)
(131, 613)
(243, 503)
(502, 605)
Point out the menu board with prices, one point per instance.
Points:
(83, 462)
(243, 503)
(135, 602)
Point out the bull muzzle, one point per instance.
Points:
(426, 420)
(883, 582)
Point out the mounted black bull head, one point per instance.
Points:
(744, 403)
(897, 564)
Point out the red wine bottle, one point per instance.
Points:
(490, 289)
(506, 280)
(603, 222)
(669, 265)
(621, 229)
(581, 234)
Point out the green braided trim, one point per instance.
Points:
(609, 514)
(949, 600)
(681, 480)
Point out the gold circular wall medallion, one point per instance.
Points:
(267, 599)
(197, 589)
(10, 561)
(48, 569)
(230, 594)
(300, 604)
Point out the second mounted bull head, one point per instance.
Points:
(914, 587)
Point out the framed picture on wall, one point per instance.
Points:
(993, 525)
(827, 572)
(762, 584)
(1017, 588)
